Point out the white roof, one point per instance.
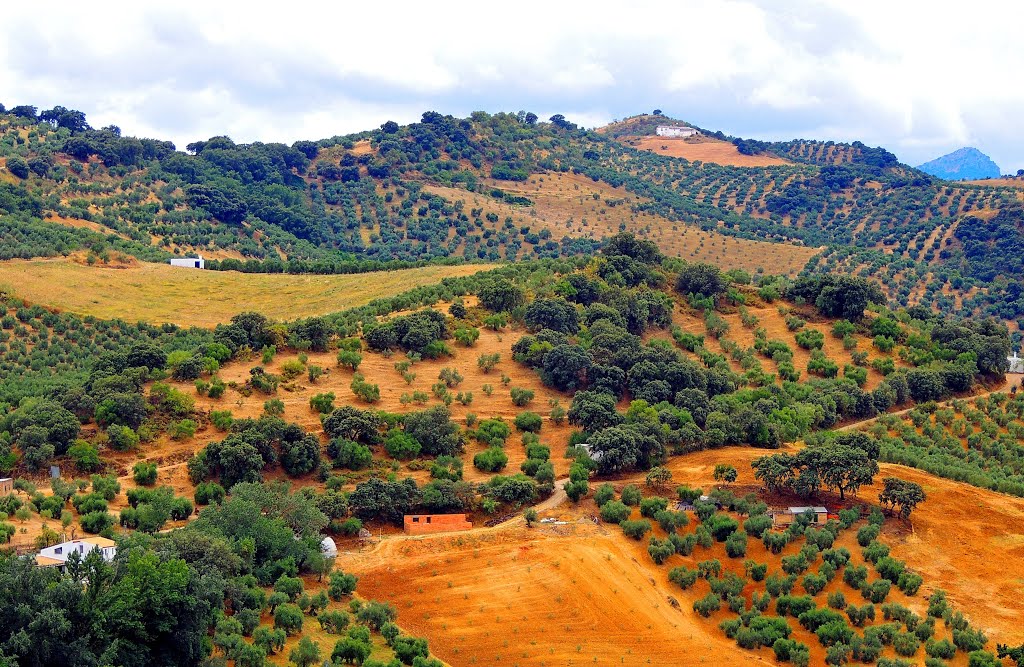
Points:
(328, 546)
(801, 510)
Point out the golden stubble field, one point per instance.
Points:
(159, 293)
(574, 205)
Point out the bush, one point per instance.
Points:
(631, 495)
(636, 529)
(876, 591)
(288, 617)
(707, 605)
(660, 550)
(867, 534)
(521, 397)
(649, 507)
(208, 492)
(528, 421)
(492, 459)
(322, 403)
(604, 493)
(614, 511)
(736, 545)
(944, 649)
(682, 576)
(96, 522)
(144, 473)
(906, 644)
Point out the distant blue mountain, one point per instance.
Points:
(963, 163)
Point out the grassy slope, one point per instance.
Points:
(159, 293)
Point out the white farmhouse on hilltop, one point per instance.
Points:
(57, 555)
(189, 262)
(676, 131)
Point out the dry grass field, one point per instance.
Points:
(574, 205)
(159, 293)
(704, 149)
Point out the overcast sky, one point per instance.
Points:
(920, 78)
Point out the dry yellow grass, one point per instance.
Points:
(159, 293)
(574, 205)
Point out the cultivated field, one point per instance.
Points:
(159, 293)
(574, 205)
(703, 149)
(512, 595)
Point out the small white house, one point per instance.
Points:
(1016, 363)
(6, 486)
(57, 555)
(680, 131)
(189, 262)
(789, 515)
(328, 548)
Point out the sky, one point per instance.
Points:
(919, 78)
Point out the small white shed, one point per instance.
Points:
(328, 547)
(1016, 363)
(189, 262)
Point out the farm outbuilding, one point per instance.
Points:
(1016, 364)
(57, 555)
(6, 486)
(328, 548)
(421, 524)
(788, 516)
(676, 131)
(189, 262)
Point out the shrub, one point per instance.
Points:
(144, 473)
(521, 397)
(631, 495)
(288, 617)
(756, 571)
(909, 583)
(604, 493)
(528, 421)
(660, 550)
(649, 507)
(775, 542)
(876, 591)
(794, 605)
(906, 644)
(182, 430)
(867, 534)
(492, 459)
(736, 545)
(814, 583)
(682, 576)
(943, 648)
(322, 403)
(208, 492)
(636, 529)
(722, 526)
(670, 521)
(837, 600)
(707, 605)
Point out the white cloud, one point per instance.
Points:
(918, 80)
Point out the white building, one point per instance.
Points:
(676, 131)
(328, 548)
(1016, 363)
(57, 555)
(189, 262)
